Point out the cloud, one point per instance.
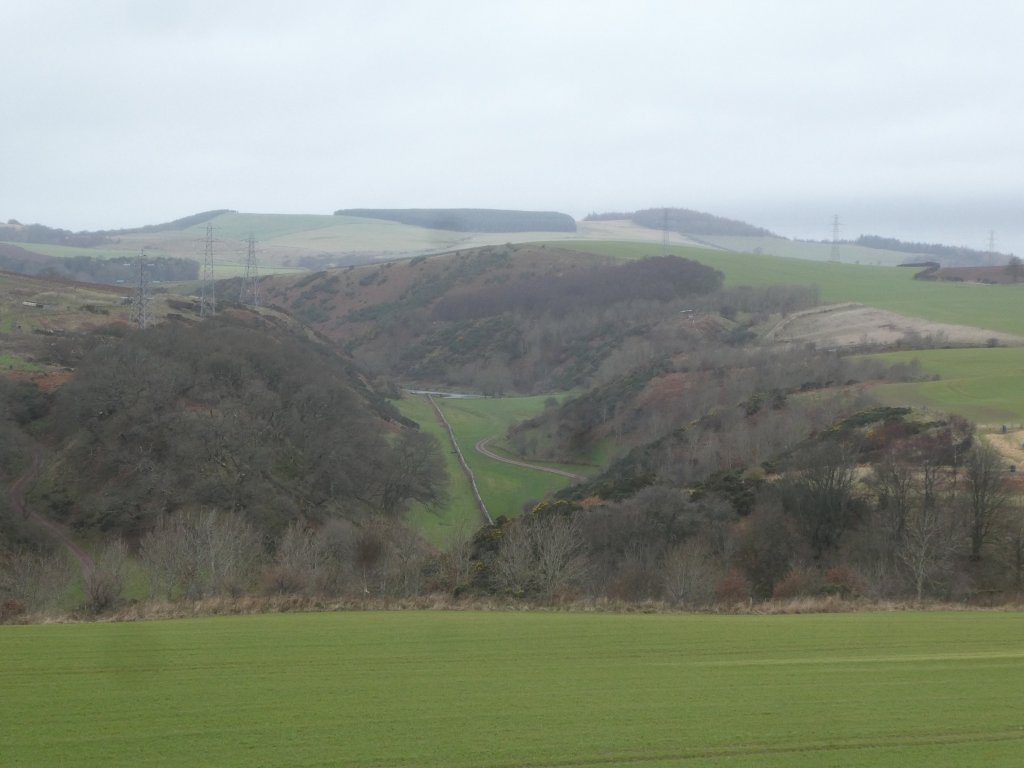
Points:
(122, 113)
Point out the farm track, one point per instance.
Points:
(16, 496)
(482, 448)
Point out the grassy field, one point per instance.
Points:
(504, 488)
(483, 689)
(459, 516)
(983, 385)
(995, 307)
(282, 239)
(802, 249)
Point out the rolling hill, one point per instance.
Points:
(298, 242)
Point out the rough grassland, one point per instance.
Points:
(499, 689)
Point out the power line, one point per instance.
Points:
(834, 254)
(140, 305)
(208, 293)
(664, 232)
(250, 293)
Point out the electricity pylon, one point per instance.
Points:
(208, 294)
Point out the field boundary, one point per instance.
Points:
(462, 460)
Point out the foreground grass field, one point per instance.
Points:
(501, 689)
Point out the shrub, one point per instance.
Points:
(845, 581)
(734, 588)
(798, 582)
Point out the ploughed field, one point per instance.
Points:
(517, 689)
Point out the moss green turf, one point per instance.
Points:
(501, 689)
(983, 385)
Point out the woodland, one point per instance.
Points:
(260, 453)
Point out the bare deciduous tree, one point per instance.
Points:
(542, 556)
(927, 543)
(104, 584)
(984, 481)
(35, 581)
(691, 573)
(196, 555)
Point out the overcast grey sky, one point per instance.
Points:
(905, 117)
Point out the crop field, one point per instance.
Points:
(505, 488)
(995, 307)
(983, 385)
(479, 689)
(284, 238)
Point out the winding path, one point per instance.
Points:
(16, 496)
(482, 448)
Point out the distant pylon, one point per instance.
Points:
(208, 297)
(992, 241)
(664, 232)
(251, 281)
(834, 254)
(140, 303)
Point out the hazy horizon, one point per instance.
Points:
(900, 117)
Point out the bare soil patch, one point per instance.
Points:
(855, 325)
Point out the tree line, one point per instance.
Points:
(946, 254)
(92, 269)
(684, 220)
(469, 219)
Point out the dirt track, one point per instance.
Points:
(481, 448)
(16, 496)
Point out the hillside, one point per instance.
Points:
(242, 413)
(496, 319)
(754, 462)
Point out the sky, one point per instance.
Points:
(905, 118)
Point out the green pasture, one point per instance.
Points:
(983, 385)
(459, 516)
(110, 251)
(504, 488)
(804, 249)
(497, 689)
(994, 307)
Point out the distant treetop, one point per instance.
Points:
(183, 223)
(684, 221)
(469, 219)
(695, 223)
(948, 255)
(15, 232)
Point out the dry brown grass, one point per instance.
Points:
(244, 606)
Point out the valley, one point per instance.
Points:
(650, 380)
